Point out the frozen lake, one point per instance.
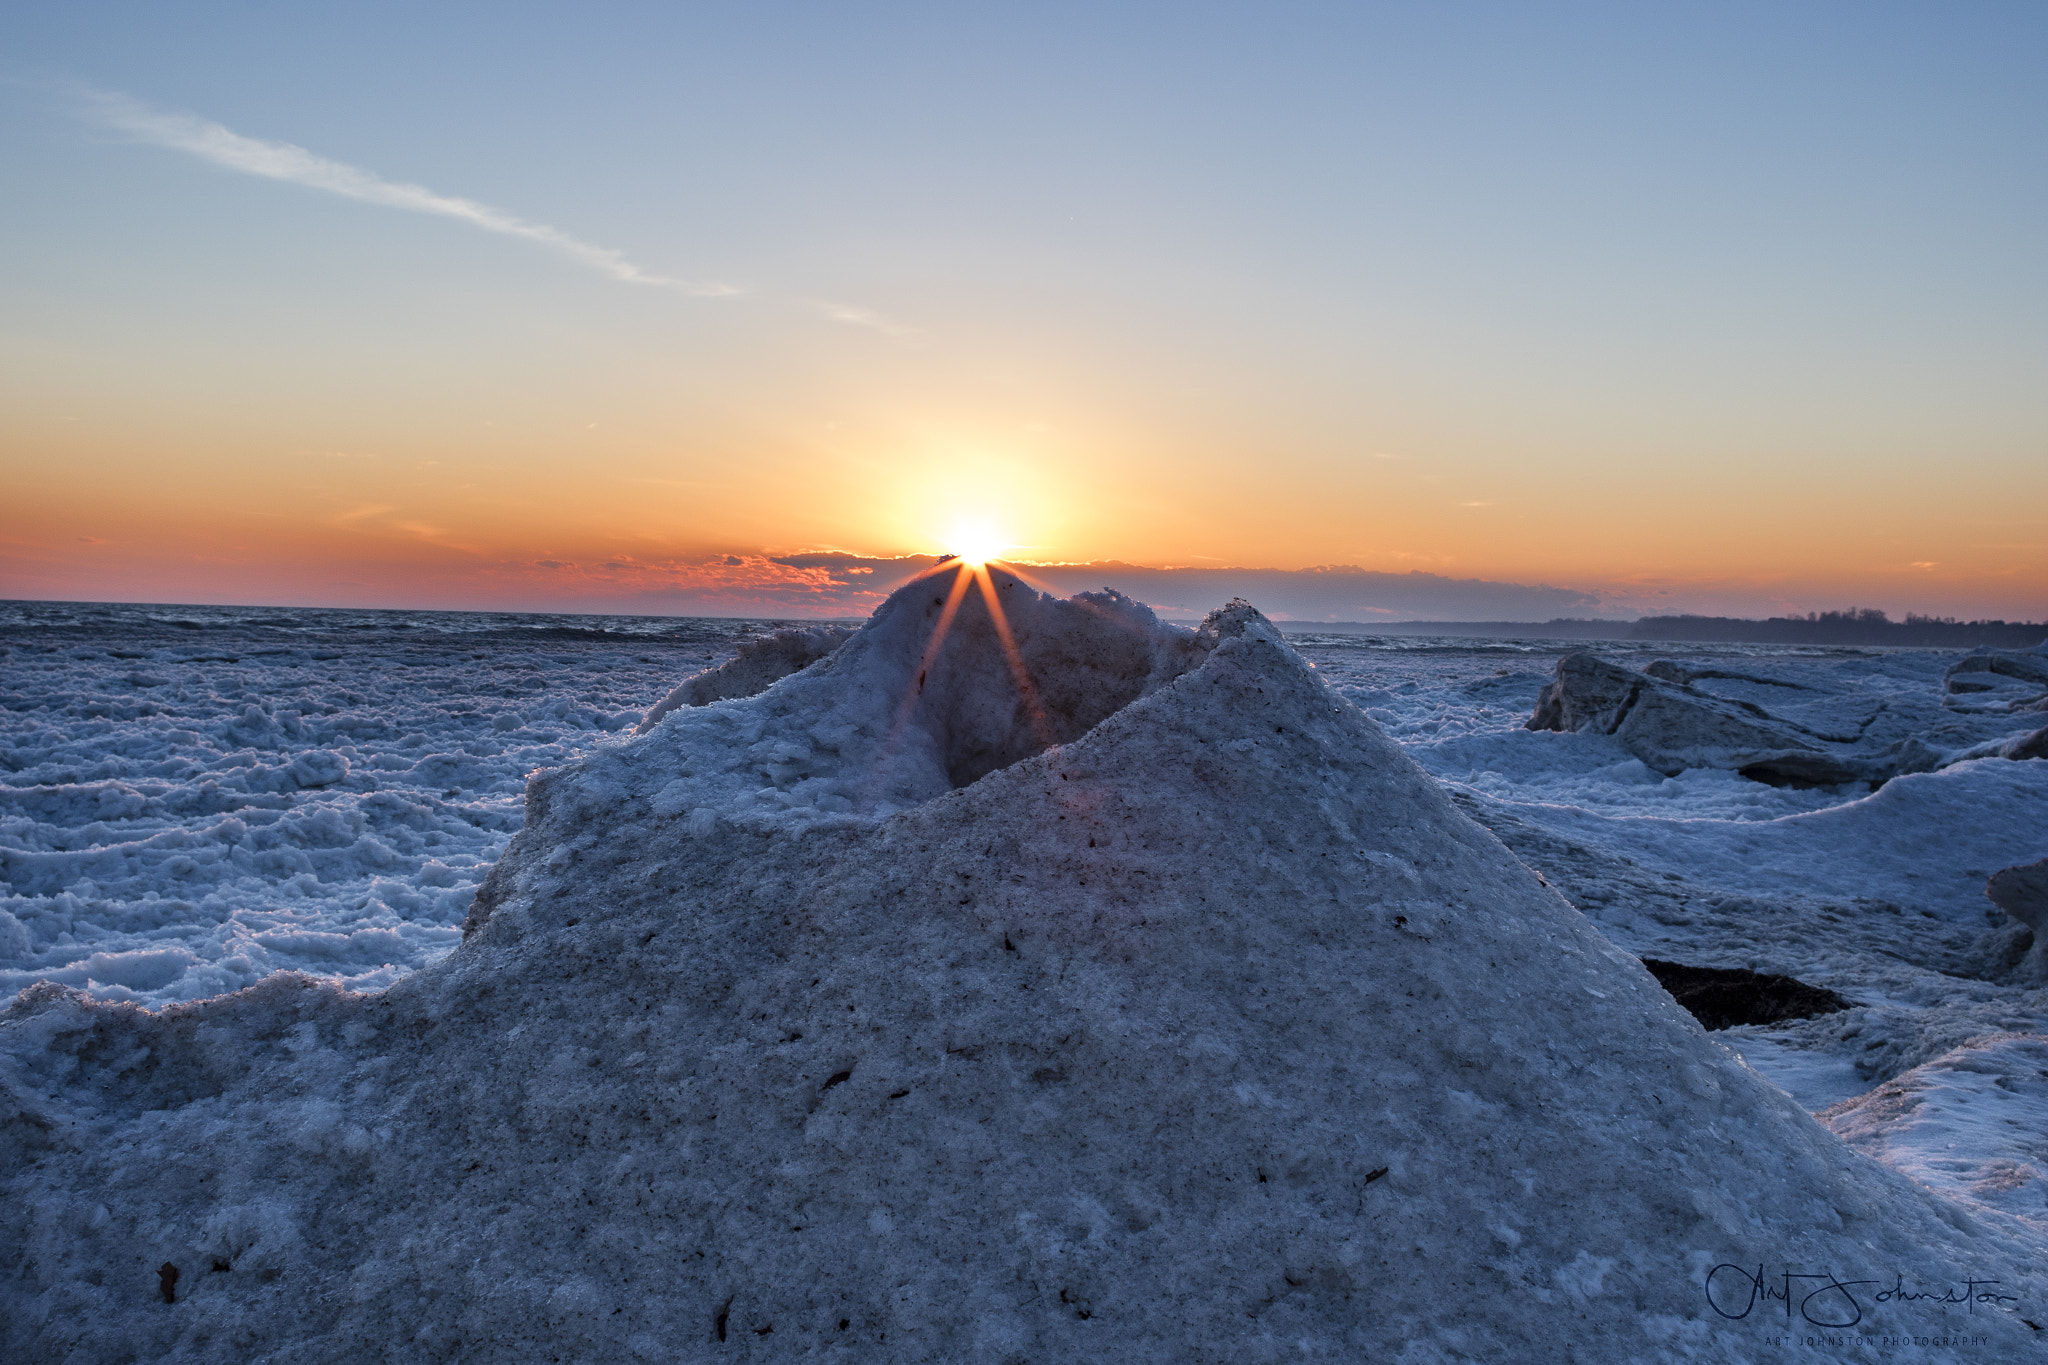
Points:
(196, 797)
(718, 973)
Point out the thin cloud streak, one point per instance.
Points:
(284, 161)
(865, 317)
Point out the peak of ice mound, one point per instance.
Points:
(928, 696)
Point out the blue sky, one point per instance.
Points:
(1743, 303)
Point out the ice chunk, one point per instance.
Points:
(318, 768)
(2022, 892)
(1671, 727)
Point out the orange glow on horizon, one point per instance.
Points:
(435, 528)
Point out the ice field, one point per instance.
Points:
(192, 798)
(196, 797)
(1125, 940)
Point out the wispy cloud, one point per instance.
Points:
(864, 317)
(284, 161)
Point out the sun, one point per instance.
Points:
(976, 542)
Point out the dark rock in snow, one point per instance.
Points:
(1724, 997)
(1672, 727)
(1979, 670)
(2022, 892)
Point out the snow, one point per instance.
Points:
(1972, 1124)
(1925, 840)
(1172, 995)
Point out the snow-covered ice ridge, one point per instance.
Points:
(192, 798)
(1162, 1010)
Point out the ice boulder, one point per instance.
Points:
(2022, 892)
(2023, 747)
(1981, 670)
(1027, 980)
(318, 768)
(1670, 726)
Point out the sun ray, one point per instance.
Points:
(962, 574)
(961, 577)
(1018, 671)
(969, 565)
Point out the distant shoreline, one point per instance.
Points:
(1823, 628)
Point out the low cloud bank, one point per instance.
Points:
(834, 584)
(1329, 593)
(830, 583)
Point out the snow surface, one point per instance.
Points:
(195, 798)
(1973, 1124)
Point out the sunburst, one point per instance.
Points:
(970, 569)
(976, 542)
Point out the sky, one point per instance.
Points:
(1444, 311)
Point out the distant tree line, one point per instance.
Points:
(1856, 626)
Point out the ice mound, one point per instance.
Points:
(1122, 996)
(901, 713)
